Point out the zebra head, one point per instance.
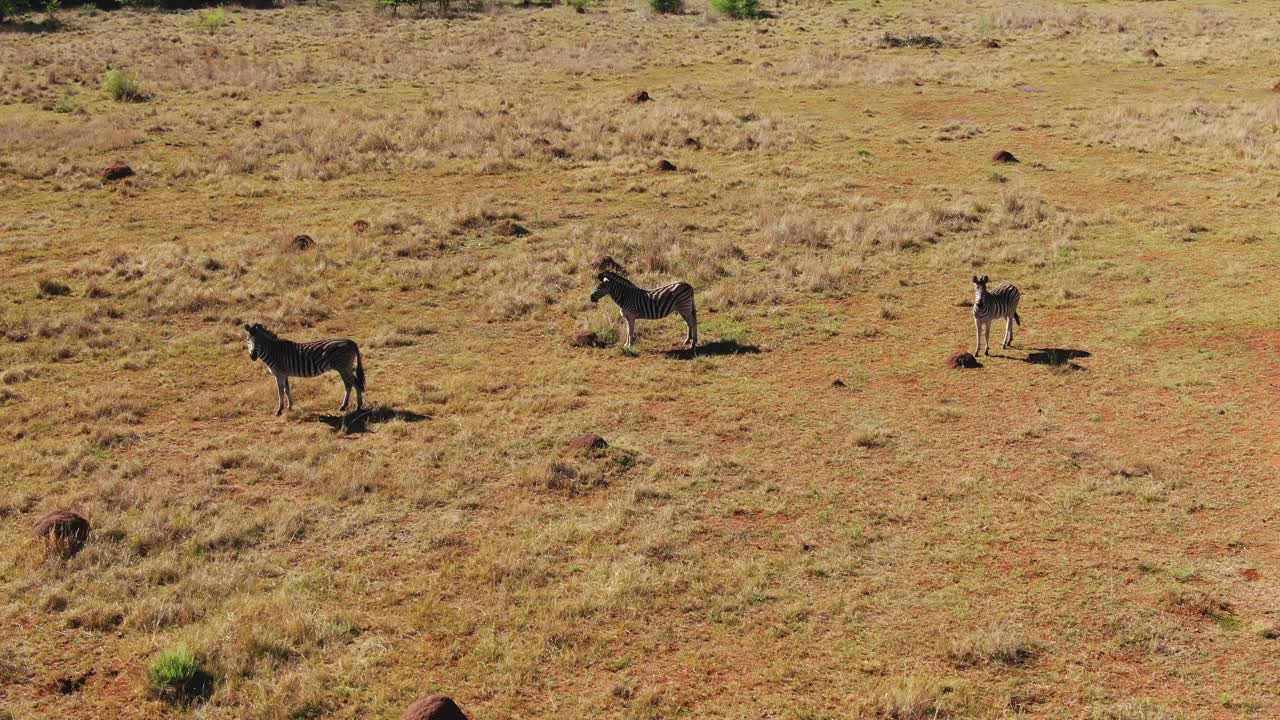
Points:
(252, 335)
(602, 288)
(979, 289)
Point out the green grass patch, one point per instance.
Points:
(210, 21)
(742, 9)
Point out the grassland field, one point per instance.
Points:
(1088, 526)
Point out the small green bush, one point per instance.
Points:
(123, 87)
(176, 674)
(210, 21)
(744, 9)
(667, 7)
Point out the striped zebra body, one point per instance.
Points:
(285, 359)
(989, 305)
(637, 303)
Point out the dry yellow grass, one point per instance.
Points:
(1082, 528)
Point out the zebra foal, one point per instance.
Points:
(285, 359)
(637, 303)
(989, 305)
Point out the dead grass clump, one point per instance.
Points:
(478, 214)
(48, 287)
(1243, 129)
(1198, 603)
(912, 40)
(793, 230)
(1021, 210)
(1133, 710)
(871, 437)
(13, 376)
(1032, 17)
(997, 645)
(917, 697)
(260, 635)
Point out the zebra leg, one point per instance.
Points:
(631, 330)
(977, 341)
(288, 391)
(988, 323)
(346, 398)
(280, 380)
(1008, 332)
(691, 319)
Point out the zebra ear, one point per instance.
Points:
(984, 280)
(248, 329)
(602, 277)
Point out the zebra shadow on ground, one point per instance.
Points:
(1057, 357)
(719, 347)
(354, 423)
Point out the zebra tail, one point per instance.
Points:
(1016, 318)
(359, 371)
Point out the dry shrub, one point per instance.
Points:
(1243, 129)
(793, 230)
(1033, 17)
(996, 645)
(260, 634)
(917, 697)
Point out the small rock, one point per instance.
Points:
(359, 226)
(589, 441)
(838, 383)
(587, 340)
(257, 123)
(639, 96)
(302, 242)
(434, 707)
(1004, 156)
(508, 228)
(664, 166)
(957, 360)
(692, 143)
(991, 43)
(119, 171)
(1276, 87)
(65, 532)
(1150, 53)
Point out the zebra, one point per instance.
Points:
(991, 305)
(285, 358)
(639, 304)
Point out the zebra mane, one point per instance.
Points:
(615, 277)
(260, 329)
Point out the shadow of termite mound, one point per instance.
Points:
(360, 421)
(1057, 357)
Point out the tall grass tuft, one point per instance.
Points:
(123, 86)
(176, 674)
